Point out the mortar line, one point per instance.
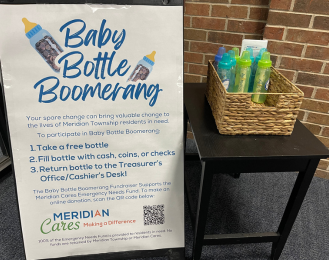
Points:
(323, 67)
(292, 5)
(312, 21)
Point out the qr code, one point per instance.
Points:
(154, 215)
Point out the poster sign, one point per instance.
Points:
(94, 99)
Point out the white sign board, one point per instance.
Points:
(94, 98)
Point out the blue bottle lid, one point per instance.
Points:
(259, 56)
(232, 56)
(150, 58)
(220, 53)
(225, 62)
(33, 31)
(251, 51)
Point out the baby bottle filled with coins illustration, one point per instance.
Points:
(143, 68)
(43, 43)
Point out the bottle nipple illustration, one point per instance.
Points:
(42, 41)
(143, 68)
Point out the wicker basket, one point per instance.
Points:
(236, 114)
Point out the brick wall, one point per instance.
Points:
(298, 34)
(209, 24)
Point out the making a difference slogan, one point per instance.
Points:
(94, 99)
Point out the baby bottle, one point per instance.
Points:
(243, 73)
(224, 70)
(262, 78)
(43, 43)
(233, 63)
(143, 68)
(252, 77)
(218, 57)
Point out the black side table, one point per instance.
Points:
(242, 154)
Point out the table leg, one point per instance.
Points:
(295, 201)
(185, 128)
(202, 210)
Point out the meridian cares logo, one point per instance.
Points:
(48, 226)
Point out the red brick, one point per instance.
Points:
(186, 45)
(246, 26)
(324, 140)
(187, 21)
(312, 6)
(308, 91)
(285, 48)
(315, 105)
(320, 119)
(316, 52)
(204, 79)
(289, 19)
(232, 11)
(253, 37)
(208, 23)
(204, 47)
(191, 34)
(212, 1)
(289, 74)
(275, 33)
(257, 13)
(197, 9)
(321, 22)
(300, 115)
(322, 93)
(325, 131)
(198, 69)
(185, 67)
(280, 4)
(326, 69)
(208, 57)
(313, 79)
(251, 2)
(188, 78)
(301, 64)
(225, 38)
(193, 57)
(307, 36)
(315, 129)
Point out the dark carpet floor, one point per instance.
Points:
(253, 203)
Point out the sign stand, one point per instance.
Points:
(93, 98)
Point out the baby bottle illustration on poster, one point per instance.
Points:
(42, 41)
(143, 68)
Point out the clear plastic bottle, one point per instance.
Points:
(262, 78)
(252, 62)
(224, 70)
(218, 57)
(143, 68)
(42, 41)
(254, 66)
(242, 74)
(233, 63)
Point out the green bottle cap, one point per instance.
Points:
(236, 51)
(232, 56)
(225, 62)
(265, 61)
(245, 60)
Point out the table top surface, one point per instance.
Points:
(213, 146)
